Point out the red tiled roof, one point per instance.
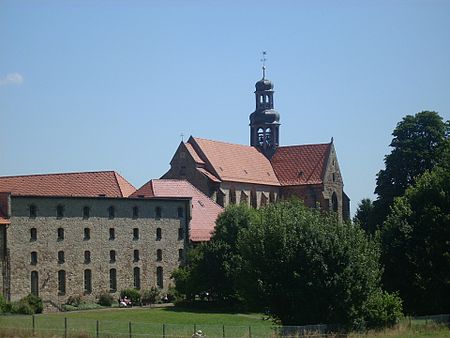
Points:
(3, 219)
(194, 155)
(303, 164)
(83, 184)
(208, 174)
(204, 210)
(235, 162)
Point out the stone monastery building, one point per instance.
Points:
(86, 233)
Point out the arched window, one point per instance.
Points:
(260, 136)
(137, 277)
(34, 258)
(33, 211)
(33, 234)
(253, 199)
(219, 197)
(159, 277)
(232, 196)
(112, 280)
(268, 136)
(272, 197)
(61, 282)
(263, 202)
(87, 281)
(35, 283)
(244, 198)
(334, 202)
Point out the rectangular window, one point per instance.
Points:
(112, 280)
(59, 211)
(137, 278)
(180, 212)
(87, 234)
(135, 234)
(61, 257)
(135, 212)
(61, 282)
(158, 212)
(33, 258)
(180, 254)
(159, 255)
(33, 234)
(112, 234)
(111, 212)
(112, 256)
(180, 233)
(86, 212)
(35, 283)
(136, 255)
(87, 256)
(87, 281)
(158, 234)
(60, 234)
(33, 211)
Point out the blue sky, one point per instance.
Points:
(111, 85)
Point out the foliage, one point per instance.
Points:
(2, 304)
(309, 267)
(150, 296)
(21, 307)
(34, 301)
(417, 146)
(416, 245)
(105, 298)
(75, 300)
(364, 214)
(133, 294)
(383, 310)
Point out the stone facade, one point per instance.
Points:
(39, 255)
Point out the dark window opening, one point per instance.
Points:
(59, 211)
(180, 233)
(232, 196)
(158, 212)
(87, 256)
(87, 281)
(111, 212)
(112, 256)
(135, 212)
(136, 255)
(137, 278)
(112, 280)
(60, 234)
(86, 211)
(87, 234)
(61, 282)
(253, 199)
(112, 234)
(159, 277)
(61, 258)
(180, 254)
(334, 202)
(33, 258)
(158, 234)
(35, 283)
(135, 234)
(159, 255)
(33, 234)
(33, 211)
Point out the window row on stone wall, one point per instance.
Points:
(112, 256)
(244, 197)
(87, 278)
(60, 235)
(86, 212)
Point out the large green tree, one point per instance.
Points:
(307, 267)
(364, 214)
(416, 243)
(416, 147)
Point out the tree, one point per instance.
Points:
(416, 243)
(417, 147)
(308, 268)
(364, 216)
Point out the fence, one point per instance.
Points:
(79, 327)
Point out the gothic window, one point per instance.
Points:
(159, 277)
(112, 256)
(135, 234)
(87, 256)
(60, 234)
(33, 258)
(159, 255)
(271, 197)
(87, 234)
(59, 211)
(137, 278)
(61, 257)
(33, 211)
(268, 136)
(158, 234)
(334, 202)
(33, 234)
(180, 212)
(334, 177)
(35, 283)
(253, 199)
(244, 197)
(61, 282)
(86, 212)
(87, 281)
(263, 199)
(158, 212)
(112, 280)
(135, 212)
(111, 212)
(219, 197)
(232, 196)
(260, 136)
(112, 234)
(136, 255)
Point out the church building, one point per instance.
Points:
(263, 171)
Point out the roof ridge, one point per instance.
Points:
(306, 145)
(223, 142)
(59, 174)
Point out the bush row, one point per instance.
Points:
(28, 305)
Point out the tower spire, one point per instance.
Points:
(263, 60)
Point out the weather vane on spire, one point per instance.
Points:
(263, 60)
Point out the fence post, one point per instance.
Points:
(250, 331)
(195, 328)
(129, 329)
(65, 327)
(32, 323)
(97, 329)
(164, 330)
(223, 331)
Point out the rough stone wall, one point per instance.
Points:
(261, 191)
(47, 244)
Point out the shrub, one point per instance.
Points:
(105, 299)
(21, 307)
(2, 304)
(133, 294)
(34, 302)
(75, 300)
(149, 296)
(383, 310)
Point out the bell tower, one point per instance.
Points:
(265, 120)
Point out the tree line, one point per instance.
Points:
(304, 266)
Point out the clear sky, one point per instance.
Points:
(111, 85)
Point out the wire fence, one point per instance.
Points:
(20, 325)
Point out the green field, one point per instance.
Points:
(174, 322)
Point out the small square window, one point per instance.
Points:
(33, 258)
(112, 234)
(112, 256)
(60, 234)
(87, 234)
(136, 255)
(135, 234)
(33, 234)
(87, 256)
(61, 259)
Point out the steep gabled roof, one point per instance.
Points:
(301, 164)
(81, 184)
(235, 162)
(204, 210)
